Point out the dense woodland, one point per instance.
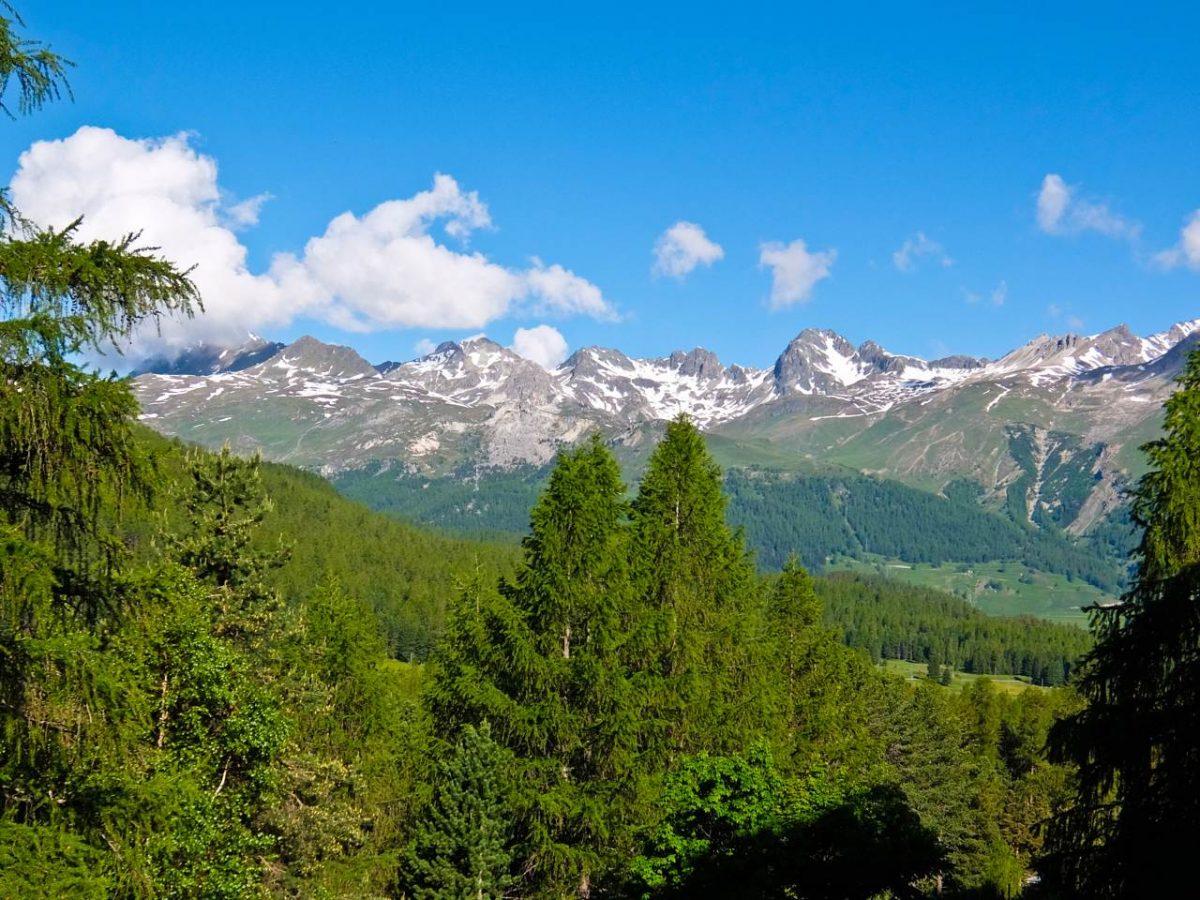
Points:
(219, 680)
(813, 516)
(897, 621)
(819, 516)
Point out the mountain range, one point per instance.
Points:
(1048, 432)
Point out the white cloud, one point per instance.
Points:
(542, 344)
(1061, 211)
(424, 347)
(246, 212)
(1187, 251)
(916, 246)
(555, 290)
(794, 270)
(681, 248)
(384, 269)
(1075, 323)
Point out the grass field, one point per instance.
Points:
(996, 588)
(914, 671)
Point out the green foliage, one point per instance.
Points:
(735, 827)
(462, 846)
(39, 73)
(696, 595)
(712, 805)
(1137, 742)
(816, 686)
(538, 659)
(37, 861)
(493, 504)
(894, 621)
(309, 532)
(821, 516)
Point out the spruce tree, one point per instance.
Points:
(462, 847)
(539, 659)
(225, 505)
(68, 709)
(695, 588)
(1136, 818)
(817, 686)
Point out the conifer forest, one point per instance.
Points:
(220, 678)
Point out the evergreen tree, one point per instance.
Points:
(462, 847)
(225, 505)
(1136, 818)
(67, 457)
(696, 592)
(540, 660)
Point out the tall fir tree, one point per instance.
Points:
(1136, 817)
(540, 660)
(696, 593)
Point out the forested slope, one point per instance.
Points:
(818, 516)
(406, 573)
(891, 620)
(815, 516)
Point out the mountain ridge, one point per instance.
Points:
(1058, 411)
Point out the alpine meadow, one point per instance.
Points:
(545, 618)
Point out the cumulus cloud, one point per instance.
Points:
(385, 269)
(245, 213)
(556, 290)
(542, 344)
(681, 248)
(1187, 251)
(905, 259)
(794, 270)
(1060, 210)
(424, 347)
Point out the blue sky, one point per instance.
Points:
(586, 133)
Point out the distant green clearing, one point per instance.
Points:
(915, 671)
(996, 588)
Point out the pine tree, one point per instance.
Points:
(225, 505)
(539, 660)
(68, 709)
(696, 590)
(1136, 818)
(817, 685)
(462, 848)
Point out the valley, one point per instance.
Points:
(1034, 449)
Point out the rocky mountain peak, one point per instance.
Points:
(878, 360)
(308, 354)
(212, 359)
(699, 363)
(817, 361)
(957, 361)
(592, 361)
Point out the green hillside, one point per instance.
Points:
(820, 516)
(406, 573)
(825, 518)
